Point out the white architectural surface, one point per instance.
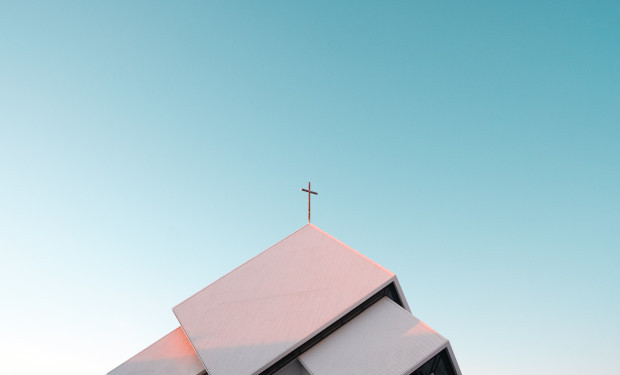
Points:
(255, 315)
(280, 313)
(170, 355)
(385, 339)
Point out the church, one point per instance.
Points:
(308, 305)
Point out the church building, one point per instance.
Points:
(308, 305)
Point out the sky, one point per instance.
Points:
(472, 148)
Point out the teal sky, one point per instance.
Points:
(147, 148)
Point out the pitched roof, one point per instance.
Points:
(384, 339)
(250, 318)
(170, 355)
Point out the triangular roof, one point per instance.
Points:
(261, 311)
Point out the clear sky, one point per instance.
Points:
(149, 147)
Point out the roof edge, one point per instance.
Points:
(319, 331)
(351, 249)
(283, 239)
(239, 266)
(155, 342)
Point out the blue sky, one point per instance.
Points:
(147, 148)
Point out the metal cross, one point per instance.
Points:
(309, 192)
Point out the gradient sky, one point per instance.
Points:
(473, 148)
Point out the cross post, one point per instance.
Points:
(309, 191)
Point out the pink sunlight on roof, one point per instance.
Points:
(172, 354)
(261, 311)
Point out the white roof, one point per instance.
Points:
(261, 311)
(384, 339)
(170, 355)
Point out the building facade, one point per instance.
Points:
(308, 305)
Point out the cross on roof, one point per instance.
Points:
(309, 192)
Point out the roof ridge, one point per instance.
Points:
(352, 249)
(241, 265)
